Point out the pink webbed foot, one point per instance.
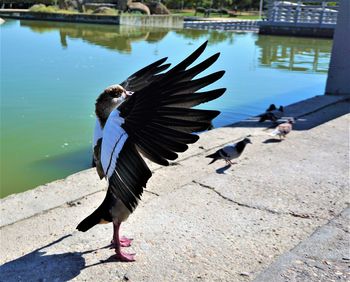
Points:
(123, 242)
(121, 256)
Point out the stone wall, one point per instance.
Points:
(79, 18)
(154, 20)
(304, 31)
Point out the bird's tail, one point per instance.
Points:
(90, 221)
(262, 118)
(100, 215)
(215, 157)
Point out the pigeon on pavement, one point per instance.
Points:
(283, 129)
(230, 152)
(272, 107)
(272, 115)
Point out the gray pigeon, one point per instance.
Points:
(271, 108)
(273, 115)
(230, 152)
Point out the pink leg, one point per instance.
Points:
(121, 256)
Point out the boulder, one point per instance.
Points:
(71, 5)
(138, 6)
(157, 8)
(37, 7)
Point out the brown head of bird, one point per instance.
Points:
(112, 97)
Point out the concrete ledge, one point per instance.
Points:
(154, 20)
(67, 190)
(296, 30)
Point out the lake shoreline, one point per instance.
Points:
(71, 63)
(271, 203)
(296, 110)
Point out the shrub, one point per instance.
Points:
(223, 11)
(41, 8)
(200, 10)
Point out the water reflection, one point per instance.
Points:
(120, 38)
(213, 36)
(286, 53)
(109, 36)
(294, 54)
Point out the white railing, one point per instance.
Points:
(322, 12)
(244, 25)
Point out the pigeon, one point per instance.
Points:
(283, 129)
(273, 115)
(149, 115)
(230, 152)
(272, 107)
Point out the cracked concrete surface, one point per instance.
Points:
(279, 214)
(250, 206)
(324, 256)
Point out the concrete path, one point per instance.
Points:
(280, 214)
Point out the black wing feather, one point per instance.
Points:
(145, 76)
(180, 136)
(188, 100)
(159, 120)
(130, 176)
(193, 85)
(189, 60)
(162, 110)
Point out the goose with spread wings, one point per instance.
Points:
(148, 115)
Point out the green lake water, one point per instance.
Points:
(52, 72)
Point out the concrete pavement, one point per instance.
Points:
(280, 214)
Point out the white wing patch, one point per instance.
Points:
(275, 132)
(114, 137)
(98, 133)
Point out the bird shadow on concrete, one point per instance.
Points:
(222, 170)
(38, 266)
(272, 140)
(252, 122)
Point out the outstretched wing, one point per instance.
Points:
(159, 118)
(158, 121)
(145, 76)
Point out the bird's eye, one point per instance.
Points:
(116, 94)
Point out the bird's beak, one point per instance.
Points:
(250, 142)
(127, 94)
